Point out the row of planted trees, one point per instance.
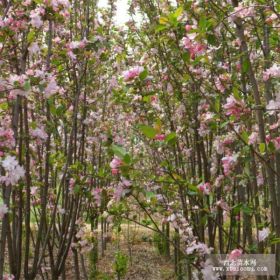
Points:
(176, 115)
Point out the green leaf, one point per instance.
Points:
(171, 138)
(202, 24)
(4, 106)
(60, 110)
(178, 12)
(127, 159)
(148, 131)
(275, 240)
(262, 147)
(118, 151)
(149, 195)
(236, 93)
(236, 208)
(143, 75)
(211, 39)
(217, 104)
(160, 27)
(31, 36)
(271, 147)
(245, 136)
(245, 65)
(192, 188)
(27, 85)
(163, 20)
(247, 209)
(186, 56)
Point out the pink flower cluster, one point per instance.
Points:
(58, 6)
(160, 137)
(243, 12)
(36, 17)
(16, 85)
(14, 172)
(193, 47)
(3, 210)
(51, 87)
(205, 188)
(221, 82)
(15, 24)
(115, 164)
(222, 204)
(263, 234)
(234, 107)
(229, 163)
(96, 193)
(6, 139)
(253, 138)
(222, 143)
(276, 142)
(235, 254)
(272, 72)
(39, 133)
(132, 73)
(8, 277)
(198, 247)
(74, 45)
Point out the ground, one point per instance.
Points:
(145, 262)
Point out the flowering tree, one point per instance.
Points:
(176, 116)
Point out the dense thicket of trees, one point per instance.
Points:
(176, 116)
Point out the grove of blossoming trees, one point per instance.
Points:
(175, 118)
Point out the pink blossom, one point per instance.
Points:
(160, 137)
(188, 27)
(272, 72)
(33, 190)
(235, 254)
(97, 196)
(276, 142)
(208, 271)
(36, 20)
(260, 180)
(72, 55)
(272, 106)
(7, 138)
(75, 45)
(193, 47)
(243, 12)
(263, 234)
(228, 163)
(8, 277)
(115, 163)
(221, 203)
(3, 210)
(126, 182)
(39, 133)
(26, 2)
(14, 172)
(205, 188)
(51, 87)
(219, 180)
(253, 138)
(199, 247)
(34, 48)
(234, 107)
(132, 73)
(72, 184)
(219, 85)
(119, 193)
(271, 19)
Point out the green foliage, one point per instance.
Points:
(120, 264)
(148, 131)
